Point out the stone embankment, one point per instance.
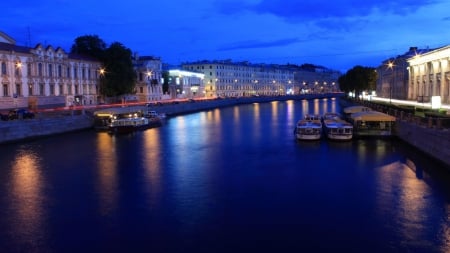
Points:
(74, 120)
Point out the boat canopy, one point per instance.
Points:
(355, 109)
(115, 111)
(372, 116)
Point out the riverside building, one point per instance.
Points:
(418, 75)
(237, 79)
(186, 84)
(149, 78)
(44, 76)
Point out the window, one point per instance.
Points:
(41, 89)
(141, 89)
(68, 72)
(5, 90)
(50, 70)
(61, 89)
(3, 68)
(52, 89)
(40, 69)
(59, 71)
(17, 70)
(76, 89)
(29, 69)
(30, 89)
(69, 89)
(18, 90)
(75, 72)
(83, 72)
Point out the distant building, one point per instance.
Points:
(236, 79)
(429, 75)
(149, 78)
(186, 84)
(43, 77)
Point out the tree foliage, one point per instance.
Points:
(119, 77)
(358, 79)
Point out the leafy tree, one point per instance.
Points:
(120, 76)
(358, 79)
(90, 45)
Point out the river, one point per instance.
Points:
(224, 180)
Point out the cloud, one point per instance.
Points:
(259, 44)
(310, 10)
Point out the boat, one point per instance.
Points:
(121, 120)
(372, 123)
(308, 128)
(336, 128)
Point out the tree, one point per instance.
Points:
(120, 76)
(89, 45)
(358, 79)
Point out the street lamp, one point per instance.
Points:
(391, 66)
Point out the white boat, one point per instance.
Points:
(338, 129)
(309, 128)
(120, 120)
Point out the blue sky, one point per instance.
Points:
(334, 34)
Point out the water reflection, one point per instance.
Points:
(108, 173)
(30, 201)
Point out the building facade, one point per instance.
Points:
(429, 75)
(236, 79)
(149, 78)
(186, 84)
(393, 75)
(44, 77)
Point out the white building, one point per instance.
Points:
(236, 79)
(43, 77)
(149, 78)
(429, 75)
(186, 84)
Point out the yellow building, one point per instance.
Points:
(44, 77)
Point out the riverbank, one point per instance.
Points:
(63, 121)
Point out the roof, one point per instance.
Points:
(356, 108)
(11, 47)
(372, 116)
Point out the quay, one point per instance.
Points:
(429, 135)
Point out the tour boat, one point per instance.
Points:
(338, 129)
(309, 128)
(121, 120)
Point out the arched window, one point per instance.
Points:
(40, 69)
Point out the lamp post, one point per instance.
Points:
(391, 66)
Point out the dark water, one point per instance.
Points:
(225, 180)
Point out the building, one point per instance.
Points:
(393, 76)
(43, 77)
(186, 84)
(429, 75)
(236, 79)
(149, 78)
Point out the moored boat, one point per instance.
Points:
(309, 128)
(122, 120)
(335, 128)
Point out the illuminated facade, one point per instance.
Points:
(430, 75)
(43, 77)
(186, 84)
(393, 76)
(236, 79)
(149, 78)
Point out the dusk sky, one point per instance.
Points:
(334, 34)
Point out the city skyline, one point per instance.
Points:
(336, 35)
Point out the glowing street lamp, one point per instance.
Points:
(391, 66)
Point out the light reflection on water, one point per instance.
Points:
(232, 176)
